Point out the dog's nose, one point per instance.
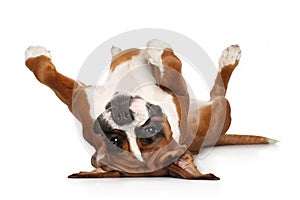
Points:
(121, 113)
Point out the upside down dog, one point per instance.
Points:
(148, 130)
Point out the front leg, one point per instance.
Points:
(161, 55)
(38, 60)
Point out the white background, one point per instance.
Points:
(39, 143)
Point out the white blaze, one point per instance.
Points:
(134, 146)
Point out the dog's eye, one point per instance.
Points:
(115, 140)
(151, 130)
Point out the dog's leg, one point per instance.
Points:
(168, 72)
(214, 118)
(38, 60)
(227, 63)
(156, 51)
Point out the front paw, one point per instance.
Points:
(154, 51)
(35, 51)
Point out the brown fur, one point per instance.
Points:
(80, 109)
(231, 139)
(172, 78)
(214, 121)
(122, 57)
(45, 72)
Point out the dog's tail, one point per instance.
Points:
(227, 63)
(232, 139)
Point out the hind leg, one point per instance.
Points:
(227, 63)
(221, 111)
(214, 117)
(220, 118)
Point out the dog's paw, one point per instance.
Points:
(154, 51)
(230, 56)
(35, 51)
(115, 50)
(157, 44)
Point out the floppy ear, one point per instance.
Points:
(185, 168)
(97, 128)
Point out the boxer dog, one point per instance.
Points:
(141, 121)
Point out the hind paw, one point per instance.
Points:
(230, 56)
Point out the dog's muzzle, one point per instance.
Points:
(127, 110)
(121, 114)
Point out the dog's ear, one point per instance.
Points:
(97, 128)
(185, 168)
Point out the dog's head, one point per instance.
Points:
(138, 135)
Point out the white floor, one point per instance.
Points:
(248, 172)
